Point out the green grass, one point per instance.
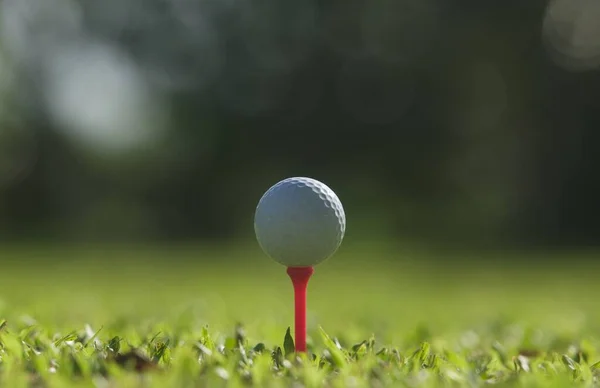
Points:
(163, 317)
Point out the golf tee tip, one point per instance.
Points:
(300, 274)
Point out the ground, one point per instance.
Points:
(212, 316)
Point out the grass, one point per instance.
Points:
(143, 316)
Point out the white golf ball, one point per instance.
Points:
(299, 222)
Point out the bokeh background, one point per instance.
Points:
(452, 123)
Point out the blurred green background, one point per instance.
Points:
(438, 123)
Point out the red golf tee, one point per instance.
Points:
(300, 277)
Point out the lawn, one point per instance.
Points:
(217, 316)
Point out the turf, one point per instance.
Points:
(163, 317)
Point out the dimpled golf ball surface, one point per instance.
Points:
(299, 222)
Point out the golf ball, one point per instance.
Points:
(299, 222)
